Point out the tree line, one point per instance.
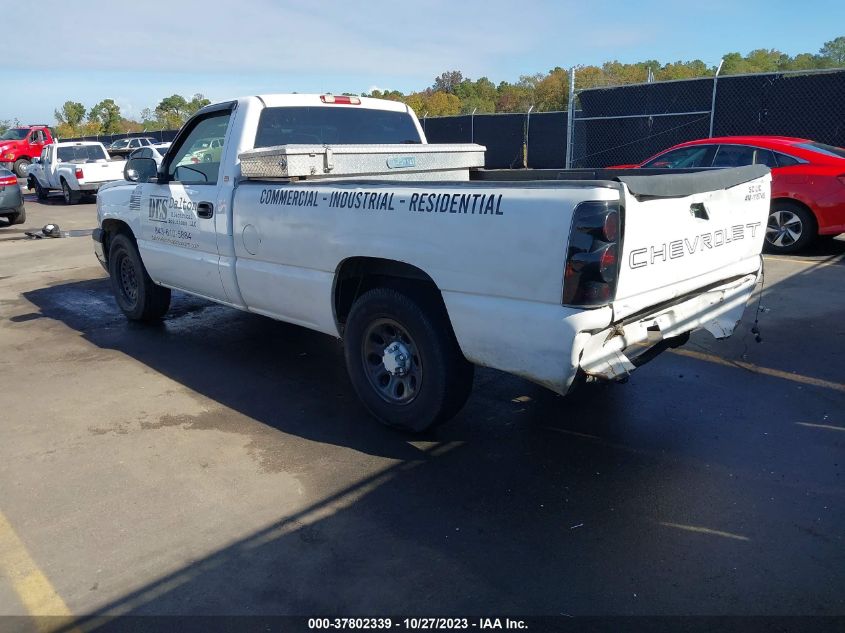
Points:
(74, 119)
(452, 93)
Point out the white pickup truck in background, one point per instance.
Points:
(426, 269)
(74, 168)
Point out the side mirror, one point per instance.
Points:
(140, 170)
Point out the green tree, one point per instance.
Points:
(71, 114)
(106, 115)
(834, 51)
(447, 81)
(172, 111)
(195, 104)
(552, 91)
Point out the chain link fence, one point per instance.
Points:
(620, 125)
(628, 124)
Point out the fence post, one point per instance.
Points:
(525, 139)
(713, 102)
(472, 126)
(570, 119)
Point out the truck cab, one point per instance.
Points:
(19, 145)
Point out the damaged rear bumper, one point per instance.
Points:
(616, 351)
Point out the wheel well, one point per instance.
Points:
(357, 275)
(113, 228)
(797, 203)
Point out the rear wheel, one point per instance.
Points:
(19, 217)
(20, 167)
(137, 296)
(403, 359)
(70, 196)
(790, 228)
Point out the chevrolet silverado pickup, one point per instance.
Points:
(332, 213)
(74, 168)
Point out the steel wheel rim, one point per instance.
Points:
(784, 228)
(128, 280)
(395, 381)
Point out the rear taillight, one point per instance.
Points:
(340, 99)
(78, 173)
(592, 260)
(8, 181)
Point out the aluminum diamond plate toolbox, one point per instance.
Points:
(333, 161)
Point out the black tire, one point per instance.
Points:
(18, 218)
(137, 296)
(790, 228)
(40, 192)
(70, 196)
(20, 167)
(436, 379)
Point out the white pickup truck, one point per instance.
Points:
(75, 168)
(554, 277)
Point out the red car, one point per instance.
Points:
(808, 181)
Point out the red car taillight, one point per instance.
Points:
(78, 173)
(592, 260)
(8, 181)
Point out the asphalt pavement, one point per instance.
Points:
(220, 463)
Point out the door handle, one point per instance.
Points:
(205, 210)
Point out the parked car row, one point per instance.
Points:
(808, 177)
(808, 181)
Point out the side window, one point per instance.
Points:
(191, 162)
(733, 156)
(45, 155)
(683, 157)
(785, 161)
(765, 157)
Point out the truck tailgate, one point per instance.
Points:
(684, 232)
(101, 171)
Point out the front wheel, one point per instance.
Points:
(138, 297)
(40, 192)
(790, 228)
(403, 359)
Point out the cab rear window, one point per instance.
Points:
(333, 125)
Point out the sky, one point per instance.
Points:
(99, 49)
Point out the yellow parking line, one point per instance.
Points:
(33, 588)
(828, 427)
(765, 371)
(703, 530)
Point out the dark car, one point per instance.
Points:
(11, 198)
(124, 146)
